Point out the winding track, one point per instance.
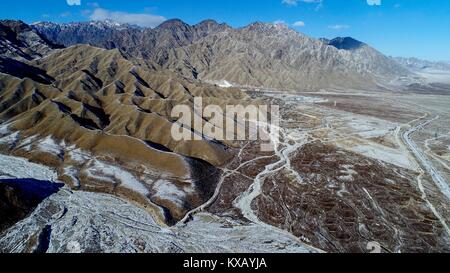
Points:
(286, 148)
(425, 163)
(427, 167)
(283, 150)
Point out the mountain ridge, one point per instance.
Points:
(259, 55)
(104, 124)
(419, 64)
(20, 41)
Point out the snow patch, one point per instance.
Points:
(224, 84)
(28, 140)
(14, 167)
(4, 129)
(166, 190)
(117, 226)
(10, 139)
(73, 174)
(26, 144)
(107, 172)
(221, 83)
(48, 145)
(79, 156)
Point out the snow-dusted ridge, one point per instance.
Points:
(101, 24)
(15, 167)
(95, 222)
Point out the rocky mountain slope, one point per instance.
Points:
(59, 220)
(105, 124)
(149, 45)
(259, 55)
(367, 58)
(20, 41)
(18, 198)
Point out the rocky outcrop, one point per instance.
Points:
(20, 41)
(369, 59)
(18, 198)
(82, 222)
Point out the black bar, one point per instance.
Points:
(223, 262)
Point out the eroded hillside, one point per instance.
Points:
(105, 124)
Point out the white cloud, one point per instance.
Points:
(290, 2)
(280, 22)
(295, 2)
(374, 2)
(73, 2)
(339, 27)
(299, 24)
(140, 19)
(295, 24)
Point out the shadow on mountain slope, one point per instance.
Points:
(22, 70)
(19, 197)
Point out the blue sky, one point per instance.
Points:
(411, 28)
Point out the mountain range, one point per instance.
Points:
(19, 40)
(110, 109)
(258, 55)
(416, 64)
